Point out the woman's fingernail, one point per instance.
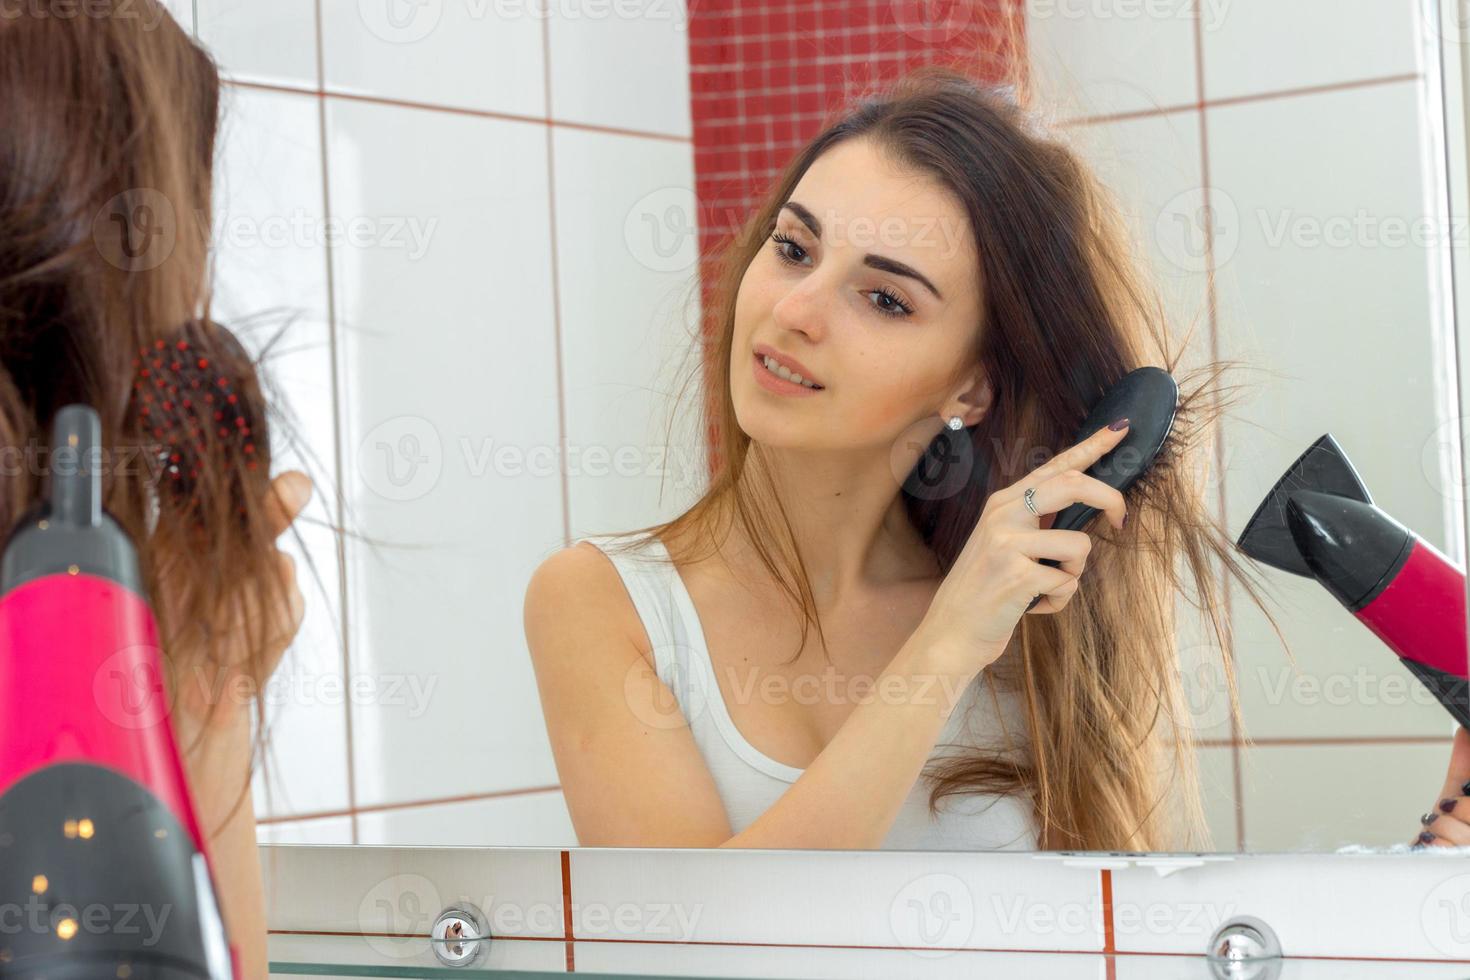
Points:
(1429, 818)
(1120, 425)
(1447, 804)
(1426, 836)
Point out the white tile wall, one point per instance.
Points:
(416, 246)
(621, 64)
(270, 41)
(626, 251)
(471, 55)
(271, 287)
(536, 819)
(926, 901)
(1255, 46)
(447, 344)
(1093, 59)
(1342, 333)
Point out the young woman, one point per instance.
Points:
(934, 273)
(107, 127)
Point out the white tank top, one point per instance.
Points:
(749, 781)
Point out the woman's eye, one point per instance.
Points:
(888, 302)
(784, 247)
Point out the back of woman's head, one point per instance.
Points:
(107, 135)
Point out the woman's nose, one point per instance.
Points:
(804, 307)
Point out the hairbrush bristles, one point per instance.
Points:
(196, 401)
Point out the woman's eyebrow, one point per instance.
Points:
(879, 262)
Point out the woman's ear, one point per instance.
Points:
(972, 400)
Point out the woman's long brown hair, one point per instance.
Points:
(107, 141)
(1108, 761)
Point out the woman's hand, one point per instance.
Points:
(997, 573)
(231, 686)
(1448, 823)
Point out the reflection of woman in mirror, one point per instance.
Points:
(948, 277)
(106, 153)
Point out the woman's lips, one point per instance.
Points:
(776, 383)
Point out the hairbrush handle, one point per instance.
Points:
(1149, 398)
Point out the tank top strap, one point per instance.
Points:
(647, 574)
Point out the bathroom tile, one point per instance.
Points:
(323, 830)
(181, 11)
(622, 64)
(401, 890)
(1175, 968)
(1323, 291)
(449, 442)
(271, 290)
(927, 901)
(365, 957)
(1152, 169)
(1255, 46)
(524, 820)
(1324, 797)
(626, 252)
(1318, 905)
(793, 963)
(1217, 793)
(271, 41)
(1100, 59)
(484, 56)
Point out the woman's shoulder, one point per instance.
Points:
(578, 589)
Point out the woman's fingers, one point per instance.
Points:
(1071, 548)
(1055, 601)
(1074, 486)
(288, 494)
(1448, 824)
(1078, 457)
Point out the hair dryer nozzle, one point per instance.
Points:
(1323, 467)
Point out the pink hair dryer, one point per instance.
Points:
(100, 850)
(1320, 522)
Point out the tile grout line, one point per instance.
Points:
(1214, 321)
(334, 352)
(412, 804)
(1235, 100)
(566, 910)
(379, 100)
(561, 401)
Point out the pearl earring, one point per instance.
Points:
(956, 423)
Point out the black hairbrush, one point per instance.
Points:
(1149, 398)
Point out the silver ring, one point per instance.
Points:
(1029, 499)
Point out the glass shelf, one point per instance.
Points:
(342, 956)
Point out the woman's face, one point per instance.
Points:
(880, 302)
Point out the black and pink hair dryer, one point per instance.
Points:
(1320, 522)
(103, 866)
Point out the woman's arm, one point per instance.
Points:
(211, 721)
(218, 772)
(630, 770)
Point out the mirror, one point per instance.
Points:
(494, 235)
